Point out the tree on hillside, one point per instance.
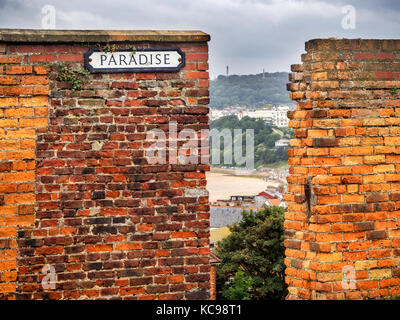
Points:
(256, 247)
(252, 90)
(264, 139)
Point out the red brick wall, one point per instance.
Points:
(112, 225)
(344, 186)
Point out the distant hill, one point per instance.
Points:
(250, 90)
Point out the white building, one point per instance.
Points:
(279, 116)
(276, 115)
(216, 114)
(282, 143)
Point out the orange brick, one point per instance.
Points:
(385, 149)
(362, 150)
(145, 227)
(339, 113)
(326, 180)
(375, 158)
(183, 234)
(27, 154)
(8, 287)
(9, 102)
(41, 90)
(34, 122)
(8, 188)
(329, 237)
(10, 276)
(372, 140)
(331, 161)
(367, 284)
(19, 112)
(340, 170)
(18, 69)
(34, 80)
(320, 76)
(351, 123)
(34, 101)
(8, 265)
(50, 250)
(317, 151)
(99, 247)
(162, 253)
(320, 85)
(328, 199)
(10, 59)
(353, 198)
(21, 133)
(10, 254)
(8, 232)
(41, 69)
(28, 144)
(314, 133)
(320, 228)
(9, 80)
(197, 75)
(20, 176)
(9, 145)
(342, 227)
(19, 198)
(128, 246)
(340, 151)
(357, 255)
(352, 160)
(384, 168)
(131, 291)
(175, 279)
(17, 91)
(6, 210)
(362, 169)
(41, 111)
(334, 257)
(374, 122)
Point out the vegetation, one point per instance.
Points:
(252, 258)
(264, 139)
(74, 77)
(249, 90)
(239, 288)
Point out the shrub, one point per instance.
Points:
(255, 246)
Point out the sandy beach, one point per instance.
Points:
(222, 186)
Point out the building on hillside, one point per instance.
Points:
(276, 115)
(215, 114)
(266, 195)
(262, 198)
(279, 116)
(275, 202)
(242, 198)
(282, 143)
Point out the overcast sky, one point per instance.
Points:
(247, 35)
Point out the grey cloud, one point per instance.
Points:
(246, 34)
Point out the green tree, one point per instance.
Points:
(254, 90)
(264, 138)
(255, 245)
(240, 287)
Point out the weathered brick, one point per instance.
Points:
(76, 190)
